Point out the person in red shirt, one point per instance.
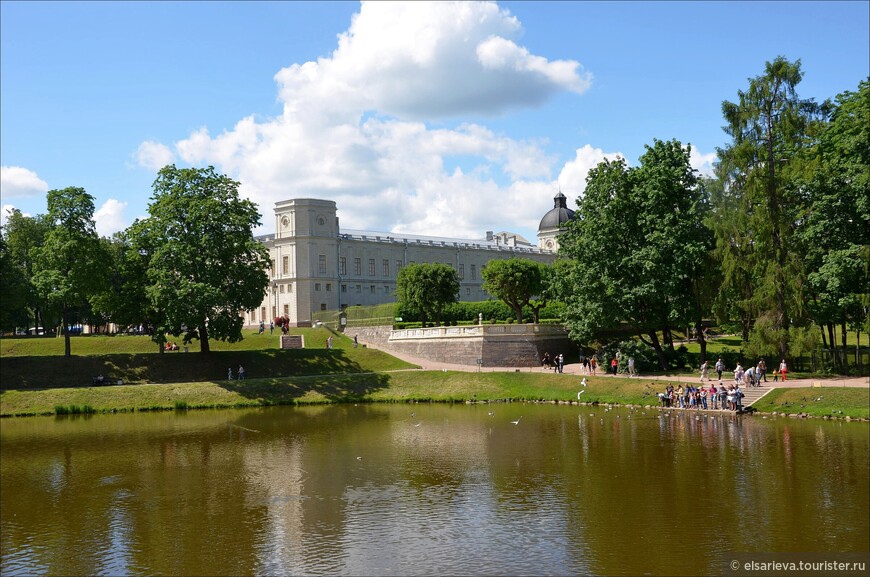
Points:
(614, 364)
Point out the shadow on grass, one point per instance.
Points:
(283, 391)
(141, 368)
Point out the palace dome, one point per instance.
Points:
(558, 215)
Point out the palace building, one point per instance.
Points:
(316, 266)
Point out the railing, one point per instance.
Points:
(476, 330)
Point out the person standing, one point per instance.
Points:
(329, 342)
(241, 373)
(614, 364)
(262, 327)
(720, 366)
(230, 374)
(761, 370)
(783, 369)
(631, 371)
(271, 327)
(704, 367)
(560, 362)
(355, 341)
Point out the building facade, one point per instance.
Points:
(316, 266)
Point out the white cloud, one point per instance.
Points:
(703, 163)
(5, 211)
(109, 218)
(572, 179)
(153, 155)
(16, 181)
(353, 127)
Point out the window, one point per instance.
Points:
(342, 266)
(285, 264)
(371, 267)
(321, 264)
(262, 313)
(372, 289)
(398, 267)
(329, 287)
(323, 306)
(461, 272)
(357, 266)
(281, 289)
(274, 312)
(272, 270)
(386, 289)
(468, 292)
(474, 272)
(358, 289)
(290, 287)
(386, 267)
(317, 286)
(287, 310)
(344, 288)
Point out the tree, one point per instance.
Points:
(427, 288)
(834, 229)
(14, 288)
(205, 268)
(23, 235)
(515, 281)
(69, 267)
(770, 126)
(636, 244)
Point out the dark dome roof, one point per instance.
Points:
(558, 215)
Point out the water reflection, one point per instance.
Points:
(410, 490)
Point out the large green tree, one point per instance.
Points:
(516, 281)
(835, 225)
(69, 267)
(205, 268)
(23, 235)
(636, 245)
(427, 289)
(770, 125)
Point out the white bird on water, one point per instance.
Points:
(517, 422)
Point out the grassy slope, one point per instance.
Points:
(818, 402)
(38, 362)
(312, 375)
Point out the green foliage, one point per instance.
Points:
(69, 266)
(205, 268)
(770, 127)
(426, 289)
(516, 281)
(636, 246)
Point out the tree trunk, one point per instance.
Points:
(656, 345)
(845, 349)
(702, 340)
(833, 343)
(66, 344)
(203, 339)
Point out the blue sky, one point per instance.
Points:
(442, 119)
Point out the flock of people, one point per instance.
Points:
(690, 397)
(557, 363)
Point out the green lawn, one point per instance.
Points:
(39, 362)
(818, 402)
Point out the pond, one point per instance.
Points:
(425, 489)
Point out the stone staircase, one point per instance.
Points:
(752, 394)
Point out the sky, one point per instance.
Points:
(443, 119)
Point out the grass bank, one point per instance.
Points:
(31, 363)
(818, 402)
(399, 386)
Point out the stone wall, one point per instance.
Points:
(495, 345)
